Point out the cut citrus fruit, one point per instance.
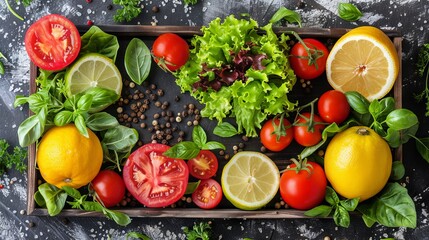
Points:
(93, 70)
(363, 60)
(250, 180)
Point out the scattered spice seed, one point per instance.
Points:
(1, 186)
(155, 9)
(31, 224)
(89, 23)
(109, 7)
(89, 1)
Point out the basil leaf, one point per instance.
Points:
(350, 204)
(341, 217)
(183, 150)
(400, 119)
(120, 218)
(349, 12)
(286, 14)
(409, 133)
(54, 198)
(358, 102)
(190, 188)
(97, 41)
(32, 128)
(319, 211)
(331, 196)
(84, 102)
(387, 105)
(72, 192)
(212, 145)
(101, 98)
(62, 118)
(92, 206)
(422, 145)
(137, 60)
(393, 138)
(199, 136)
(375, 109)
(398, 171)
(101, 121)
(120, 138)
(392, 207)
(79, 122)
(225, 129)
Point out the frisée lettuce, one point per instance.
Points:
(239, 70)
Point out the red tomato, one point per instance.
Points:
(303, 190)
(274, 136)
(299, 59)
(204, 165)
(154, 179)
(109, 188)
(171, 51)
(52, 42)
(333, 107)
(208, 194)
(303, 135)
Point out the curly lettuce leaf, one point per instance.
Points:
(262, 93)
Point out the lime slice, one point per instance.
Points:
(250, 180)
(93, 70)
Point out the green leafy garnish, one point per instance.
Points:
(10, 160)
(190, 149)
(286, 14)
(423, 71)
(251, 93)
(137, 60)
(1, 63)
(349, 12)
(201, 231)
(190, 2)
(130, 10)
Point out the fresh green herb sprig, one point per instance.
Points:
(1, 63)
(54, 200)
(286, 14)
(341, 208)
(200, 231)
(423, 71)
(130, 10)
(349, 12)
(190, 149)
(136, 235)
(190, 2)
(10, 160)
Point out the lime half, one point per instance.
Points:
(93, 70)
(250, 180)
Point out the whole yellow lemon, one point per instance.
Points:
(67, 158)
(358, 162)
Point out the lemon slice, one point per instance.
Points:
(250, 180)
(93, 70)
(363, 60)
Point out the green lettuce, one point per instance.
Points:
(263, 93)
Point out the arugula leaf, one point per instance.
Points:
(130, 10)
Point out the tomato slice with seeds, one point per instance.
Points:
(204, 165)
(154, 179)
(208, 194)
(52, 42)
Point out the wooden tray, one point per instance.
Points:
(166, 82)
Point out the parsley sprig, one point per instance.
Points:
(199, 231)
(130, 10)
(9, 160)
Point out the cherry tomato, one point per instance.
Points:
(208, 194)
(299, 59)
(52, 42)
(109, 187)
(154, 179)
(204, 165)
(303, 190)
(170, 51)
(333, 107)
(274, 136)
(304, 135)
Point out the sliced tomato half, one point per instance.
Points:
(52, 42)
(204, 165)
(208, 194)
(154, 179)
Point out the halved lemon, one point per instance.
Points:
(250, 180)
(93, 70)
(363, 60)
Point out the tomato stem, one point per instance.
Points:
(312, 53)
(279, 129)
(300, 164)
